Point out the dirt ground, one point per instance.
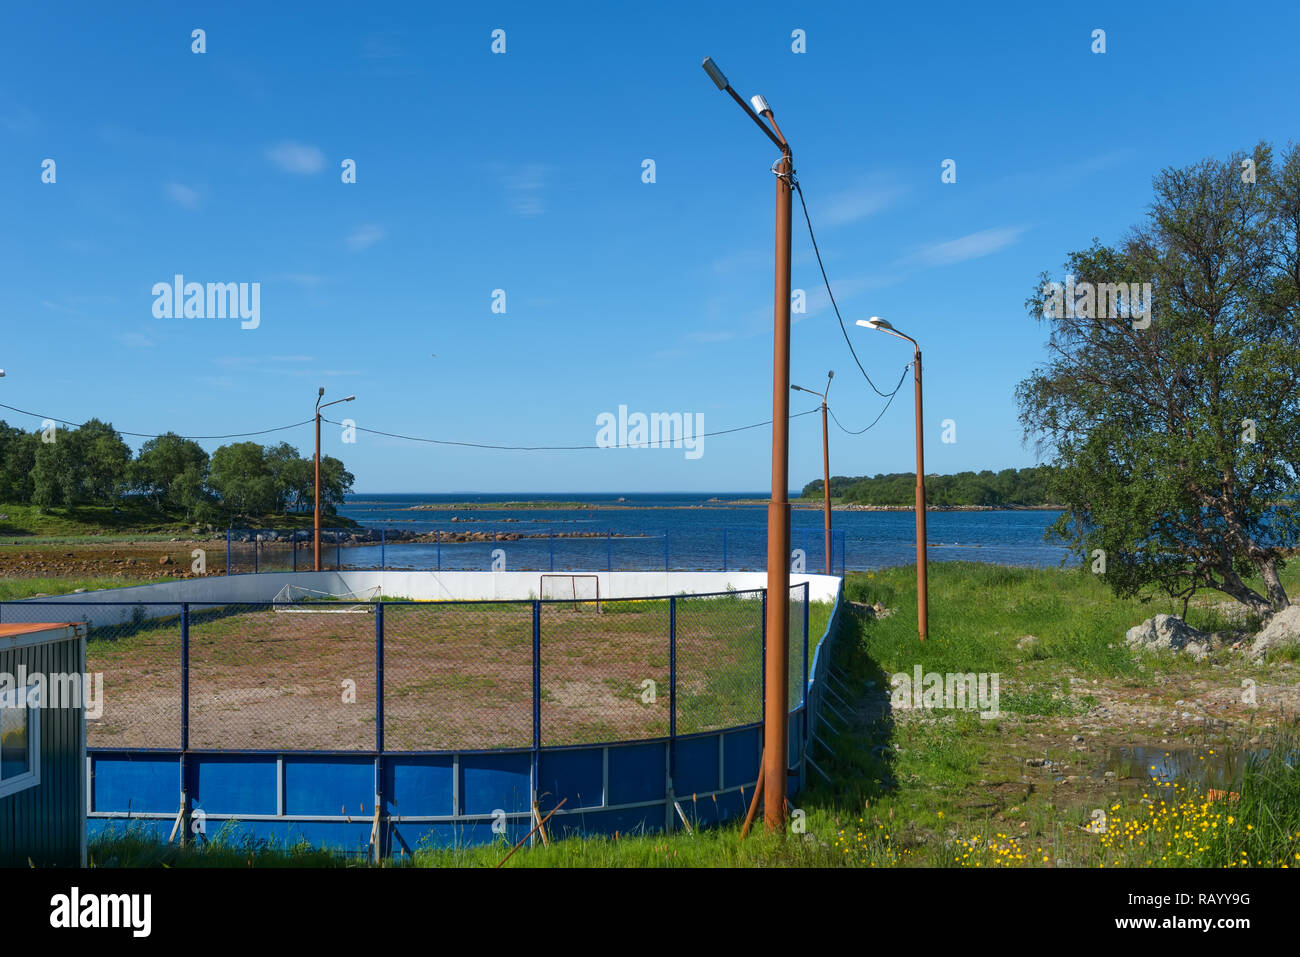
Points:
(133, 560)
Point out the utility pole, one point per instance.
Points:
(826, 465)
(315, 538)
(776, 668)
(922, 563)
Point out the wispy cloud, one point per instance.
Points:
(297, 278)
(249, 362)
(182, 195)
(364, 236)
(721, 335)
(382, 46)
(299, 158)
(858, 203)
(524, 186)
(135, 340)
(986, 242)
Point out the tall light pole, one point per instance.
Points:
(922, 598)
(826, 463)
(315, 538)
(776, 667)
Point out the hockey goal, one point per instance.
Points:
(296, 599)
(581, 590)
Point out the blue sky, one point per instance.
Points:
(522, 171)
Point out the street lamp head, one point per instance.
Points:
(322, 391)
(760, 105)
(831, 374)
(798, 388)
(715, 74)
(875, 322)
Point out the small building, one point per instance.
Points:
(42, 745)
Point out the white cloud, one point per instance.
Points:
(297, 158)
(524, 188)
(182, 195)
(854, 204)
(364, 236)
(986, 242)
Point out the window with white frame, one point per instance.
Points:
(20, 739)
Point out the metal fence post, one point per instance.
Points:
(227, 551)
(293, 544)
(666, 565)
(338, 551)
(185, 724)
(381, 818)
(609, 551)
(257, 545)
(438, 540)
(537, 704)
(383, 544)
(724, 549)
(803, 751)
(550, 538)
(672, 710)
(763, 658)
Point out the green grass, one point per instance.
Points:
(14, 589)
(135, 519)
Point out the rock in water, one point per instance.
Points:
(1171, 632)
(1282, 629)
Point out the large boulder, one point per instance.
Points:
(1168, 632)
(1282, 629)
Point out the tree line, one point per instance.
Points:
(1007, 488)
(92, 465)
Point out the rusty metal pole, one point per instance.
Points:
(777, 667)
(826, 484)
(315, 538)
(922, 598)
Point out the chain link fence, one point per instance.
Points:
(343, 674)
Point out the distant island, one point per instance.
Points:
(1009, 488)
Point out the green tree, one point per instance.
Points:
(1177, 442)
(17, 459)
(335, 483)
(100, 461)
(171, 470)
(239, 473)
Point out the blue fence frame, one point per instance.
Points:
(467, 796)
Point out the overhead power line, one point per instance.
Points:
(155, 435)
(559, 448)
(411, 438)
(835, 306)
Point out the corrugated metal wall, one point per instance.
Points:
(43, 824)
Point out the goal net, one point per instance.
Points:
(299, 599)
(582, 590)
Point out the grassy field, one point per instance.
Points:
(1098, 759)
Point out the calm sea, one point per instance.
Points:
(688, 530)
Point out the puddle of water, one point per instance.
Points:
(1220, 767)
